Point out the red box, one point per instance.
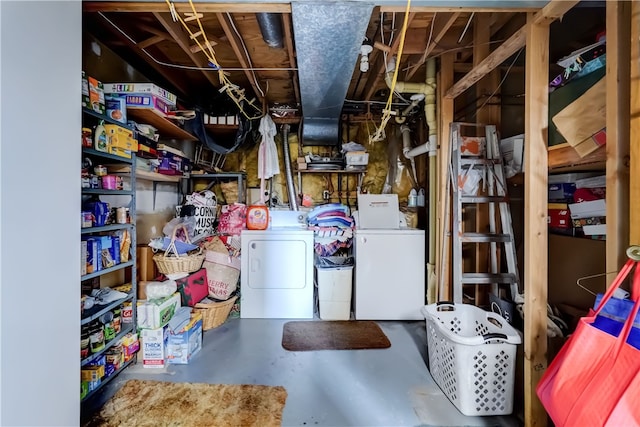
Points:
(558, 215)
(193, 288)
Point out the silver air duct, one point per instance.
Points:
(293, 199)
(271, 28)
(328, 36)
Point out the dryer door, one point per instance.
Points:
(277, 264)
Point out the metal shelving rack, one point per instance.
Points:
(95, 312)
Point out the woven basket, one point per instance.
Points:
(171, 262)
(214, 314)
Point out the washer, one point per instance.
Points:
(276, 280)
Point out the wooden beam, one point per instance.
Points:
(617, 147)
(552, 11)
(634, 136)
(497, 57)
(225, 23)
(288, 41)
(536, 264)
(555, 9)
(445, 113)
(444, 21)
(151, 41)
(199, 47)
(499, 20)
(176, 81)
(181, 7)
(432, 9)
(378, 74)
(176, 31)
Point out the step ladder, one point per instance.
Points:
(478, 183)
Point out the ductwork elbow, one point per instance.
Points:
(271, 28)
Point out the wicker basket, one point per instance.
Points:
(171, 262)
(214, 314)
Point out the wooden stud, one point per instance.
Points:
(617, 147)
(535, 217)
(444, 22)
(634, 136)
(446, 113)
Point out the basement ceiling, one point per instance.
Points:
(263, 65)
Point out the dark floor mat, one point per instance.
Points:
(333, 335)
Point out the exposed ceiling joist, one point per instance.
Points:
(225, 23)
(288, 41)
(426, 9)
(182, 7)
(177, 82)
(552, 11)
(374, 78)
(151, 41)
(440, 24)
(176, 31)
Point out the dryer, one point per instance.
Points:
(276, 280)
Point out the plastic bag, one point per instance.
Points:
(157, 290)
(233, 218)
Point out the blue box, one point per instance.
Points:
(183, 345)
(562, 191)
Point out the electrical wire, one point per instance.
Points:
(244, 47)
(233, 91)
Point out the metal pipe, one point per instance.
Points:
(271, 28)
(293, 200)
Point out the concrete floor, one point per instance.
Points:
(390, 387)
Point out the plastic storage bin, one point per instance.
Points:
(334, 292)
(472, 357)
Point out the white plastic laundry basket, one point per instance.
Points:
(472, 357)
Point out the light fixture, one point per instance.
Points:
(365, 50)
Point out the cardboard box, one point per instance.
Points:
(83, 257)
(154, 344)
(142, 88)
(116, 107)
(120, 137)
(146, 266)
(117, 151)
(562, 191)
(588, 209)
(357, 158)
(183, 345)
(558, 215)
(140, 100)
(96, 95)
(153, 314)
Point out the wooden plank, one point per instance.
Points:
(552, 11)
(161, 6)
(617, 147)
(176, 31)
(555, 9)
(535, 217)
(378, 72)
(499, 20)
(225, 23)
(488, 115)
(444, 21)
(564, 155)
(151, 41)
(422, 9)
(505, 50)
(634, 136)
(166, 128)
(288, 41)
(443, 246)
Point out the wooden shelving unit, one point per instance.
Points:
(166, 128)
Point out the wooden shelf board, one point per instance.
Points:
(166, 128)
(157, 177)
(565, 157)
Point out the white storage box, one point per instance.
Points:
(334, 292)
(472, 357)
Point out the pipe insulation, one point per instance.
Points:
(271, 28)
(293, 199)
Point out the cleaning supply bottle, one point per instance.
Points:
(100, 142)
(257, 217)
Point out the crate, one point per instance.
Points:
(472, 357)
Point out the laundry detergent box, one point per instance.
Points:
(186, 343)
(154, 344)
(153, 314)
